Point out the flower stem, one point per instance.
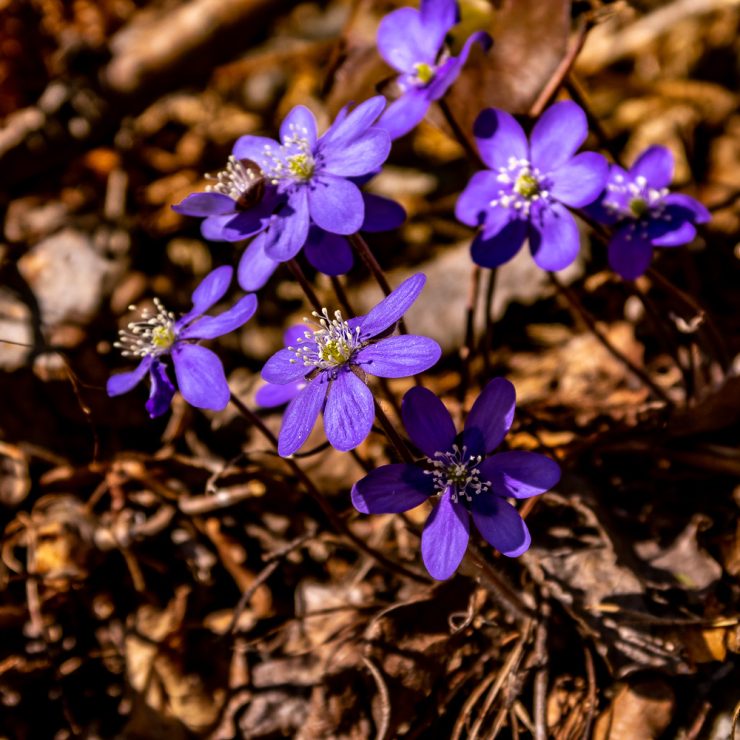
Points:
(363, 250)
(488, 336)
(458, 132)
(589, 320)
(299, 275)
(466, 351)
(341, 294)
(394, 437)
(334, 519)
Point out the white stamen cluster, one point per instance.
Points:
(633, 200)
(522, 185)
(330, 345)
(234, 180)
(153, 334)
(293, 160)
(458, 472)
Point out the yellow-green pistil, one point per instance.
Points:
(527, 185)
(335, 352)
(301, 166)
(638, 207)
(163, 337)
(424, 72)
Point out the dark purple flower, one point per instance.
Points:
(645, 215)
(199, 372)
(335, 359)
(458, 471)
(413, 43)
(525, 193)
(328, 253)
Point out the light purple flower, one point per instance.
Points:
(335, 359)
(199, 372)
(458, 470)
(530, 185)
(645, 215)
(413, 43)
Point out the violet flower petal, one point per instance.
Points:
(501, 247)
(403, 41)
(445, 537)
(288, 232)
(299, 122)
(399, 357)
(553, 236)
(336, 204)
(124, 382)
(328, 253)
(283, 367)
(348, 126)
(161, 391)
(499, 137)
(212, 289)
(392, 489)
(359, 156)
(519, 474)
(209, 327)
(381, 214)
(450, 70)
(301, 415)
(490, 418)
(629, 256)
(216, 229)
(500, 524)
(349, 411)
(200, 377)
(437, 18)
(406, 113)
(579, 181)
(270, 395)
(205, 204)
(677, 237)
(255, 267)
(473, 204)
(655, 164)
(700, 212)
(557, 135)
(392, 307)
(427, 421)
(253, 147)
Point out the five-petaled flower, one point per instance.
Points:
(525, 192)
(335, 358)
(457, 469)
(413, 43)
(199, 372)
(644, 214)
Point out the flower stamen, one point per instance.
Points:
(457, 471)
(152, 335)
(330, 345)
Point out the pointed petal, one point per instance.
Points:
(519, 474)
(255, 267)
(200, 377)
(427, 421)
(288, 231)
(445, 538)
(437, 18)
(212, 289)
(406, 113)
(580, 181)
(328, 253)
(553, 237)
(448, 72)
(205, 204)
(503, 245)
(301, 123)
(362, 155)
(349, 125)
(490, 418)
(655, 164)
(403, 41)
(124, 382)
(499, 137)
(701, 214)
(381, 214)
(474, 202)
(336, 204)
(562, 128)
(681, 235)
(392, 307)
(209, 327)
(629, 255)
(391, 489)
(270, 395)
(160, 392)
(399, 357)
(301, 415)
(349, 412)
(500, 524)
(284, 367)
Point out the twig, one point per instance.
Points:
(458, 132)
(366, 255)
(385, 711)
(298, 274)
(591, 698)
(394, 437)
(488, 336)
(540, 679)
(466, 351)
(246, 597)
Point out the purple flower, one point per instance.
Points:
(645, 215)
(199, 372)
(328, 253)
(458, 471)
(525, 193)
(413, 43)
(335, 359)
(271, 394)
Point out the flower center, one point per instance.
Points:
(424, 72)
(291, 161)
(639, 207)
(328, 346)
(458, 472)
(153, 334)
(521, 185)
(240, 180)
